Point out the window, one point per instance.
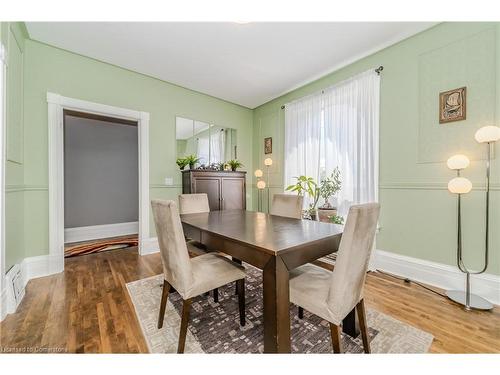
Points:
(337, 128)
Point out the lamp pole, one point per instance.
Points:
(488, 135)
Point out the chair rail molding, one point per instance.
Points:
(56, 105)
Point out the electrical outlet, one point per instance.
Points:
(169, 181)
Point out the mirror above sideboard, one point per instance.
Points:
(210, 142)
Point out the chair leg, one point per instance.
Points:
(363, 326)
(240, 288)
(216, 295)
(163, 303)
(336, 339)
(301, 313)
(186, 304)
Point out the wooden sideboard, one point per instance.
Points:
(226, 190)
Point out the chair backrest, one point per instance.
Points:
(287, 205)
(193, 203)
(353, 256)
(174, 254)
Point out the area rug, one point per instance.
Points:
(214, 327)
(97, 246)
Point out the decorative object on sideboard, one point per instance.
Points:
(192, 160)
(460, 185)
(268, 145)
(181, 163)
(234, 164)
(328, 188)
(452, 105)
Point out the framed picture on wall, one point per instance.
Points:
(268, 145)
(452, 105)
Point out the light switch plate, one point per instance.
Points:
(169, 181)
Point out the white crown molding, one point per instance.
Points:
(100, 231)
(436, 274)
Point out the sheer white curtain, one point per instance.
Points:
(351, 133)
(339, 127)
(302, 139)
(203, 149)
(217, 146)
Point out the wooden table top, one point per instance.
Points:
(269, 233)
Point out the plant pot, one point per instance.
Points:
(313, 215)
(325, 213)
(233, 169)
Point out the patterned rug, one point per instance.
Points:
(214, 327)
(96, 246)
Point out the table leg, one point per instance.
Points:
(350, 324)
(276, 307)
(239, 262)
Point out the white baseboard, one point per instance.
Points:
(437, 274)
(100, 231)
(31, 268)
(149, 246)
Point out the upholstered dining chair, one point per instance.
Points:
(332, 295)
(190, 277)
(193, 204)
(287, 205)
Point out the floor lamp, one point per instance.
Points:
(268, 162)
(260, 185)
(460, 185)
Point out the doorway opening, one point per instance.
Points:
(101, 197)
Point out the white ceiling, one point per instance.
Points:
(248, 64)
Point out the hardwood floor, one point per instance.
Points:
(87, 309)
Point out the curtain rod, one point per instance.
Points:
(378, 71)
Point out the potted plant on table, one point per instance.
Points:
(307, 185)
(191, 160)
(234, 164)
(328, 188)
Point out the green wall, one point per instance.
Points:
(13, 36)
(418, 216)
(50, 69)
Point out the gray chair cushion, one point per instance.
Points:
(309, 286)
(212, 271)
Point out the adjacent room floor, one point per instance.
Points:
(100, 245)
(87, 309)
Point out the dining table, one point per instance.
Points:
(274, 244)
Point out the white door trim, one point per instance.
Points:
(3, 115)
(56, 105)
